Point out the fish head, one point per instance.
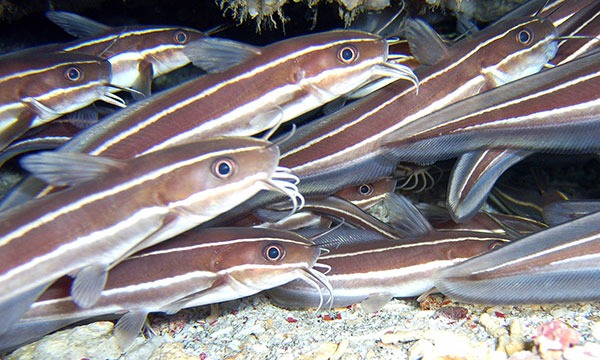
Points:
(272, 258)
(164, 48)
(212, 176)
(530, 43)
(333, 63)
(366, 194)
(67, 82)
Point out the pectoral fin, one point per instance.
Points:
(144, 81)
(88, 285)
(375, 302)
(425, 44)
(44, 113)
(129, 326)
(405, 217)
(267, 120)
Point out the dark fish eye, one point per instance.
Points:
(273, 252)
(223, 168)
(524, 37)
(347, 54)
(73, 73)
(365, 189)
(181, 37)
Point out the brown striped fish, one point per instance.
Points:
(137, 54)
(348, 141)
(370, 270)
(344, 148)
(556, 265)
(475, 173)
(114, 208)
(273, 84)
(212, 266)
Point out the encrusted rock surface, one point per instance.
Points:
(253, 328)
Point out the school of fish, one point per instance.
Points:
(259, 175)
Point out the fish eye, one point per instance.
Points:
(273, 252)
(365, 189)
(223, 168)
(347, 54)
(524, 37)
(181, 37)
(73, 73)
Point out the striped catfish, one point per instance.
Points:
(344, 148)
(137, 53)
(556, 265)
(554, 110)
(348, 141)
(273, 84)
(213, 265)
(114, 208)
(512, 226)
(37, 87)
(526, 202)
(371, 270)
(401, 222)
(476, 172)
(345, 204)
(368, 194)
(473, 176)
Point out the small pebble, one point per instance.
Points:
(421, 350)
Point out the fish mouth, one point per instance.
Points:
(113, 99)
(319, 281)
(285, 182)
(391, 69)
(110, 98)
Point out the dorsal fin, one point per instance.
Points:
(405, 216)
(76, 25)
(217, 55)
(425, 44)
(67, 169)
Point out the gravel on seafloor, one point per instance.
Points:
(253, 328)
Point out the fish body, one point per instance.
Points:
(114, 208)
(48, 136)
(272, 85)
(345, 148)
(332, 208)
(475, 173)
(373, 269)
(558, 106)
(349, 141)
(564, 210)
(213, 265)
(303, 74)
(556, 265)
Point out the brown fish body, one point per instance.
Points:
(93, 224)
